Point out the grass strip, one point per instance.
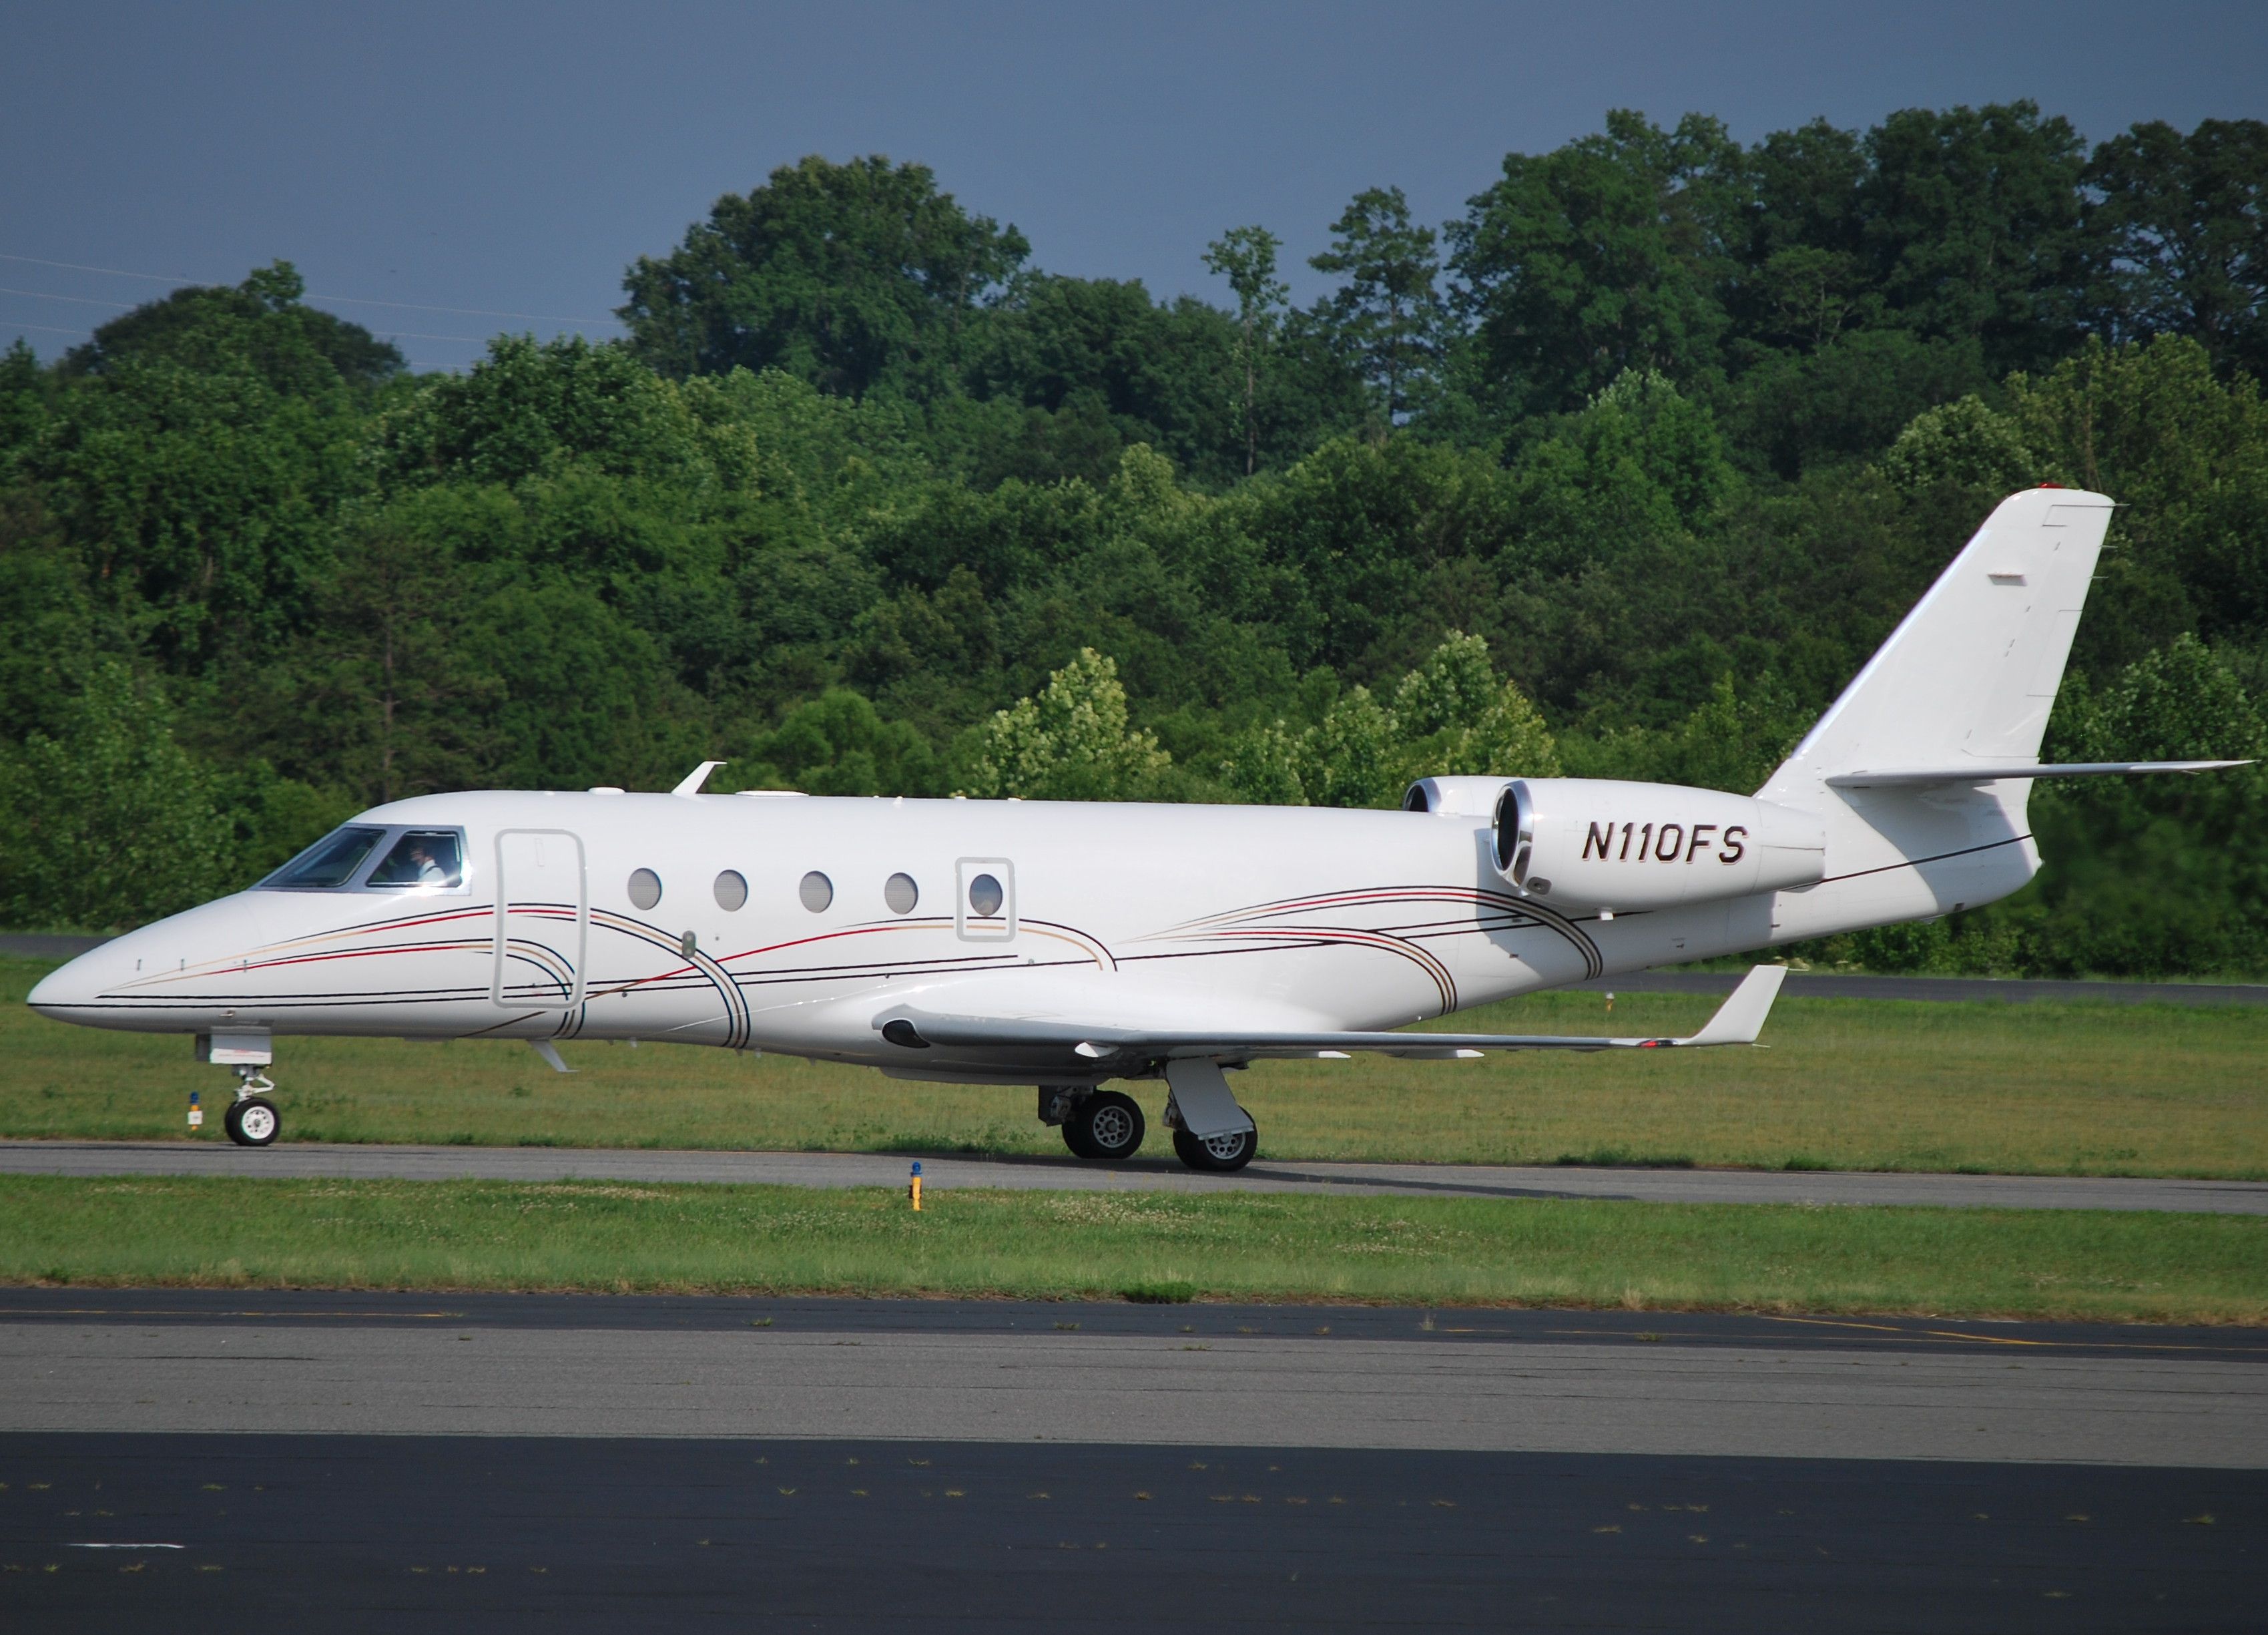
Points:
(609, 1237)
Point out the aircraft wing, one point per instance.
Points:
(1737, 1021)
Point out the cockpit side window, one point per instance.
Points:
(329, 863)
(432, 858)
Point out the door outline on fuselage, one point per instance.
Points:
(502, 941)
(971, 927)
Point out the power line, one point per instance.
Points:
(465, 312)
(79, 300)
(48, 328)
(349, 300)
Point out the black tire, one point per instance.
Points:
(253, 1122)
(1223, 1155)
(1109, 1127)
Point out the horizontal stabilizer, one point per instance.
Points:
(1737, 1021)
(1921, 777)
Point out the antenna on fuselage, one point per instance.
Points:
(691, 784)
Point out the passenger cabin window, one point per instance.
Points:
(646, 889)
(329, 863)
(423, 856)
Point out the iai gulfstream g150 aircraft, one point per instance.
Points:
(1063, 946)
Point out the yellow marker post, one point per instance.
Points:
(913, 1191)
(196, 1113)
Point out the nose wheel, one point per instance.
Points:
(252, 1119)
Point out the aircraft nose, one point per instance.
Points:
(70, 992)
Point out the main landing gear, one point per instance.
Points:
(1217, 1155)
(1108, 1126)
(252, 1119)
(1101, 1124)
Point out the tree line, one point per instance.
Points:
(1622, 472)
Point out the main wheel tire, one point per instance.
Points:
(1074, 1135)
(1109, 1127)
(1217, 1155)
(253, 1122)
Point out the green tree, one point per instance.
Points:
(1451, 716)
(850, 276)
(1072, 741)
(1100, 366)
(838, 744)
(299, 351)
(1968, 444)
(530, 409)
(1246, 256)
(388, 696)
(1973, 226)
(110, 821)
(1388, 314)
(1457, 717)
(23, 398)
(2187, 456)
(1610, 253)
(2183, 223)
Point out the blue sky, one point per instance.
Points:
(514, 158)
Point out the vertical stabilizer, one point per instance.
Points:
(1969, 675)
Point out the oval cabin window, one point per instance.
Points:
(731, 891)
(985, 896)
(900, 892)
(646, 889)
(817, 891)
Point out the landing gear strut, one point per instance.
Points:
(252, 1119)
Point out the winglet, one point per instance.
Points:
(1742, 1017)
(692, 780)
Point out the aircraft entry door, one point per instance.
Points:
(542, 920)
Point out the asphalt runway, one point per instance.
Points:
(192, 1459)
(210, 1157)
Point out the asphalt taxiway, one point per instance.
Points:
(213, 1157)
(196, 1459)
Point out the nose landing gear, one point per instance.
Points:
(252, 1119)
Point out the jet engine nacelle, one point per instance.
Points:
(1594, 844)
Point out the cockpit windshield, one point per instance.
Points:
(409, 859)
(423, 856)
(329, 863)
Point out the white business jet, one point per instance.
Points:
(1063, 946)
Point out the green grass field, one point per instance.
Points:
(598, 1236)
(2080, 1089)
